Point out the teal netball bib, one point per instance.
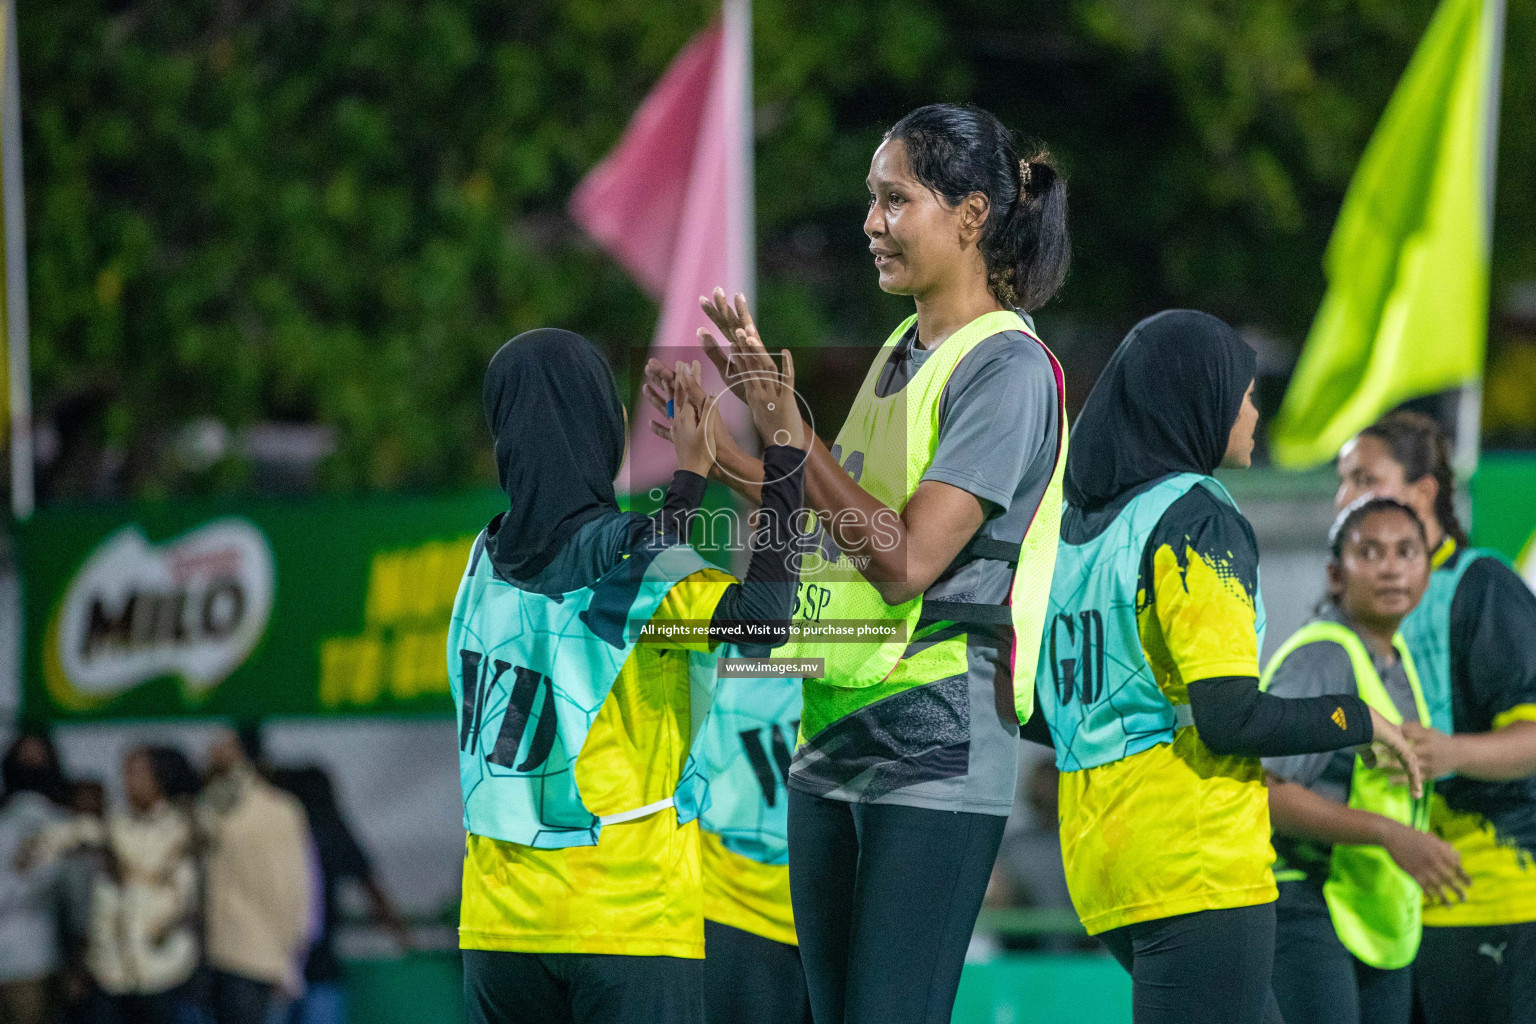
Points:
(1103, 702)
(530, 672)
(743, 758)
(1428, 632)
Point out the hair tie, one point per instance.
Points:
(1025, 169)
(1344, 514)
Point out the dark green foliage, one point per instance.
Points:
(334, 211)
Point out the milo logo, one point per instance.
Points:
(193, 607)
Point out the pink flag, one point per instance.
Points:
(673, 204)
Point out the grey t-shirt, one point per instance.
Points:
(998, 437)
(1323, 669)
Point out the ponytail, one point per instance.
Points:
(1029, 259)
(959, 150)
(1419, 445)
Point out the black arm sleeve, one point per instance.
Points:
(684, 495)
(1235, 717)
(673, 522)
(765, 600)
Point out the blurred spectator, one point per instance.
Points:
(258, 888)
(341, 858)
(1031, 854)
(88, 797)
(31, 790)
(141, 944)
(1030, 859)
(31, 765)
(78, 873)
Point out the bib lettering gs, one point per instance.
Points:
(1103, 703)
(529, 674)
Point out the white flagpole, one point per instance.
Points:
(17, 343)
(737, 18)
(1469, 407)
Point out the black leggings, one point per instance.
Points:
(1317, 980)
(885, 899)
(581, 988)
(751, 980)
(1482, 973)
(1209, 967)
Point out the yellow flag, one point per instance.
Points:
(1406, 311)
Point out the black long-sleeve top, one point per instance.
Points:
(1234, 717)
(755, 612)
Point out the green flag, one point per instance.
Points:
(1406, 312)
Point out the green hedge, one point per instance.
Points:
(333, 211)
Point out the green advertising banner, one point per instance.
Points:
(317, 607)
(253, 608)
(323, 606)
(1504, 509)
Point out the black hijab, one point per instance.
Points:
(1165, 404)
(553, 409)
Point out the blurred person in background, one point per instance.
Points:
(1473, 638)
(87, 797)
(341, 859)
(258, 888)
(1355, 861)
(141, 947)
(1031, 854)
(32, 789)
(78, 872)
(1029, 863)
